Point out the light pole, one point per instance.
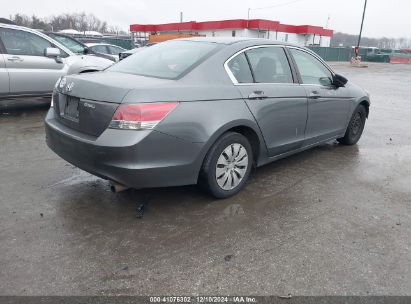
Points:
(362, 24)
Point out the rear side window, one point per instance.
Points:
(167, 60)
(270, 65)
(240, 69)
(18, 42)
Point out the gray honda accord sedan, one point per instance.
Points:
(202, 110)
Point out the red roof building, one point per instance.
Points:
(303, 35)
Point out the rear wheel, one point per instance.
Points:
(227, 166)
(355, 127)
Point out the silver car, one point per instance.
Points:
(31, 63)
(202, 110)
(107, 49)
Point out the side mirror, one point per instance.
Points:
(339, 81)
(86, 50)
(52, 52)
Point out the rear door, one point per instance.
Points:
(271, 91)
(30, 71)
(328, 106)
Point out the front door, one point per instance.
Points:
(277, 101)
(328, 106)
(30, 71)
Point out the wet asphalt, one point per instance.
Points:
(333, 220)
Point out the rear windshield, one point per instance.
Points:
(168, 60)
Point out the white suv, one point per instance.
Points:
(31, 63)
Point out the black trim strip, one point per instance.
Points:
(294, 64)
(296, 75)
(249, 65)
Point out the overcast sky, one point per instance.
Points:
(384, 17)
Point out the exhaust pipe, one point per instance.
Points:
(114, 187)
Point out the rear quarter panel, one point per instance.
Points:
(205, 121)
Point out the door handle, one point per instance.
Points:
(15, 59)
(257, 95)
(315, 95)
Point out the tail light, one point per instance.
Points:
(141, 116)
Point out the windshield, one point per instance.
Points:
(167, 60)
(69, 43)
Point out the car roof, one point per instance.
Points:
(7, 21)
(13, 26)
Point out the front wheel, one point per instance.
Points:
(355, 127)
(228, 165)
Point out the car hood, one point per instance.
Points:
(80, 63)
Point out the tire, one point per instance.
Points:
(355, 127)
(227, 165)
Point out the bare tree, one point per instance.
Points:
(383, 43)
(77, 21)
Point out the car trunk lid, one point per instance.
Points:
(87, 103)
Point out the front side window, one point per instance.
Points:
(312, 71)
(19, 42)
(240, 69)
(269, 65)
(167, 60)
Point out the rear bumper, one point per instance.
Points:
(137, 159)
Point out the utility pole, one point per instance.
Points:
(362, 24)
(181, 17)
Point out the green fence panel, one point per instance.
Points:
(124, 43)
(333, 53)
(346, 53)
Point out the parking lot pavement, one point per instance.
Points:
(334, 220)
